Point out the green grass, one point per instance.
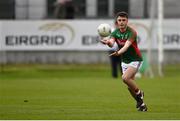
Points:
(85, 92)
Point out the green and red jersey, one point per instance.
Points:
(133, 53)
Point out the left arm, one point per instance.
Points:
(122, 50)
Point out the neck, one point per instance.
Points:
(123, 29)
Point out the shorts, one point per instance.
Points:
(134, 64)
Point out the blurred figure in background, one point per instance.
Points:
(64, 9)
(115, 62)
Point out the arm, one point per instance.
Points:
(122, 50)
(110, 42)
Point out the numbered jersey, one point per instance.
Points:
(133, 53)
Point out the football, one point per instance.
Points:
(104, 30)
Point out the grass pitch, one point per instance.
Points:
(83, 92)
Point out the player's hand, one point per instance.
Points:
(114, 54)
(103, 40)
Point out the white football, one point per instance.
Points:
(104, 30)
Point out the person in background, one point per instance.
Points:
(115, 62)
(70, 9)
(64, 9)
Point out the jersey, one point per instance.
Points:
(132, 53)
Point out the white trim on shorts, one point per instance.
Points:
(134, 64)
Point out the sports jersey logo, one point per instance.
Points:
(122, 36)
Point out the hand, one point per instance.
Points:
(103, 40)
(114, 54)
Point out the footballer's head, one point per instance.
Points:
(122, 14)
(121, 20)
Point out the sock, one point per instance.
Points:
(138, 91)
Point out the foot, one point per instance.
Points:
(140, 103)
(139, 99)
(143, 108)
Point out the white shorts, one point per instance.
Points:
(134, 64)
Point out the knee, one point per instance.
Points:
(125, 78)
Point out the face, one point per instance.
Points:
(121, 22)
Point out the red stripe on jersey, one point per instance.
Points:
(134, 44)
(134, 34)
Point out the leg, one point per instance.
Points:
(132, 94)
(128, 78)
(114, 67)
(114, 70)
(119, 63)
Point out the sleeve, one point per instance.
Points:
(132, 36)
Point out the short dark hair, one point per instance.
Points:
(122, 14)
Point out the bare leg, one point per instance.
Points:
(132, 94)
(128, 78)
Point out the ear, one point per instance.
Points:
(115, 23)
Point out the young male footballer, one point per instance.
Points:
(126, 38)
